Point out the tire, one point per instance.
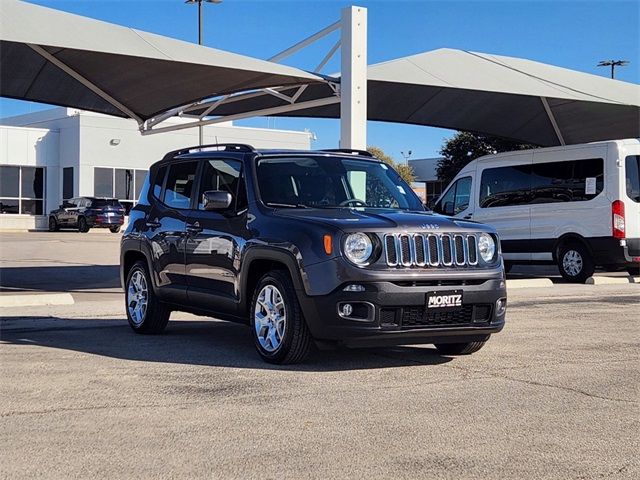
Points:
(633, 271)
(291, 343)
(575, 262)
(508, 266)
(459, 348)
(115, 229)
(151, 317)
(83, 227)
(53, 224)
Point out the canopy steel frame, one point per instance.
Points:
(353, 46)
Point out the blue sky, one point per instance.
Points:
(571, 34)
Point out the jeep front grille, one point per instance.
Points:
(431, 250)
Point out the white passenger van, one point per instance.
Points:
(577, 206)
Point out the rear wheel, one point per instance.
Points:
(279, 330)
(634, 271)
(53, 224)
(459, 348)
(114, 229)
(145, 313)
(83, 226)
(575, 262)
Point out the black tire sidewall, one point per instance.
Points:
(284, 285)
(53, 224)
(587, 263)
(114, 229)
(83, 227)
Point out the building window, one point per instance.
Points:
(67, 183)
(22, 190)
(121, 183)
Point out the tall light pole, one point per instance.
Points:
(406, 156)
(200, 2)
(613, 64)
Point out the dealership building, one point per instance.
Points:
(58, 154)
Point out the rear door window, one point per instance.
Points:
(568, 181)
(179, 185)
(505, 186)
(632, 177)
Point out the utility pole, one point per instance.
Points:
(613, 64)
(200, 32)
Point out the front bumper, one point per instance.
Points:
(398, 315)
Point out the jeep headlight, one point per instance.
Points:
(486, 247)
(358, 248)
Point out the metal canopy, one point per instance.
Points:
(62, 59)
(489, 94)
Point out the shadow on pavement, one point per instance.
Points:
(62, 278)
(210, 343)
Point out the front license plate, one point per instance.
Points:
(444, 300)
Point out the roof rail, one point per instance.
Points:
(220, 147)
(352, 151)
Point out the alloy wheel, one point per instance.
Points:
(572, 262)
(270, 318)
(137, 297)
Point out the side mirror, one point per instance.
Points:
(216, 200)
(448, 208)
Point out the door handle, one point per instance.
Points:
(153, 224)
(468, 216)
(194, 227)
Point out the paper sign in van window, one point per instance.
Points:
(590, 186)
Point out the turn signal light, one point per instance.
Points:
(328, 244)
(617, 219)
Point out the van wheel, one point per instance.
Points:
(145, 313)
(575, 262)
(83, 227)
(279, 330)
(459, 348)
(53, 225)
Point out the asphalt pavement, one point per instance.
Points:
(555, 395)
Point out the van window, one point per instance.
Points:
(177, 193)
(632, 177)
(223, 175)
(574, 181)
(505, 186)
(457, 197)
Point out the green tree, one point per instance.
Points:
(464, 147)
(404, 170)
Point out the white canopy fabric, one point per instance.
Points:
(58, 58)
(495, 95)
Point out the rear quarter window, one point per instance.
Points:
(632, 177)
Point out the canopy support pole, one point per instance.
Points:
(71, 72)
(353, 84)
(552, 119)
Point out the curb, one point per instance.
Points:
(36, 300)
(611, 280)
(529, 283)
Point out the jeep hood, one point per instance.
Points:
(378, 220)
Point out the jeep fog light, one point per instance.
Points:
(353, 288)
(486, 247)
(358, 248)
(501, 306)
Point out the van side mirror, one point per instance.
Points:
(448, 208)
(216, 200)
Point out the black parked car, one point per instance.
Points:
(84, 213)
(318, 247)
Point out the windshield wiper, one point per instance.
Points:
(287, 205)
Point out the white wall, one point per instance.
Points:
(32, 148)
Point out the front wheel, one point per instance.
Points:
(145, 313)
(459, 348)
(575, 263)
(53, 225)
(279, 330)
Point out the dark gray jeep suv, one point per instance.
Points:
(308, 247)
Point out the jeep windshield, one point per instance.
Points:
(332, 182)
